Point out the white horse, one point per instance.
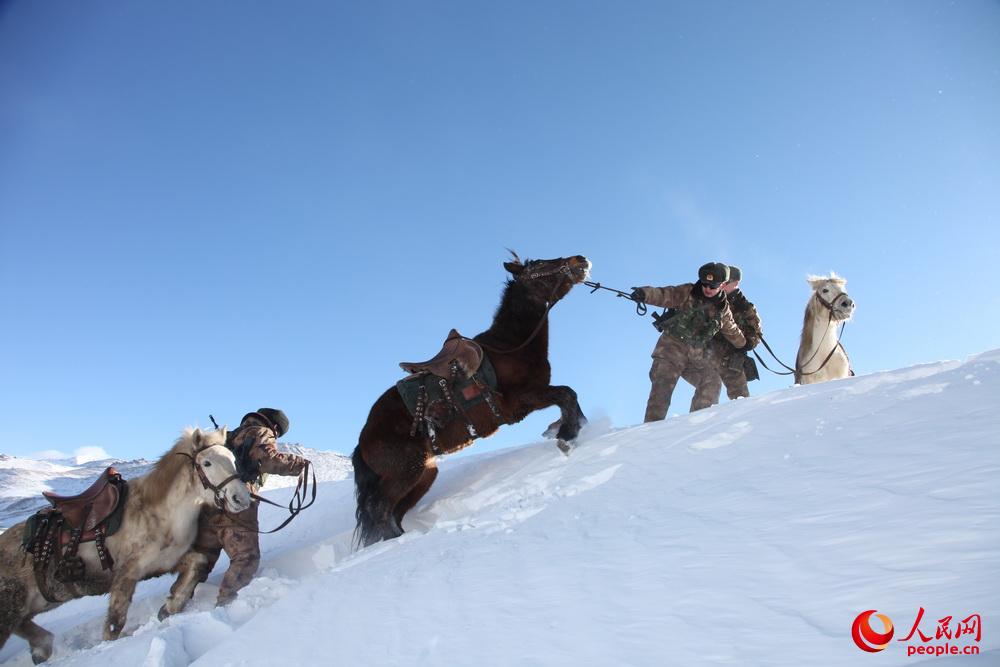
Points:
(158, 526)
(821, 357)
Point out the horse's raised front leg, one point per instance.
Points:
(571, 416)
(122, 589)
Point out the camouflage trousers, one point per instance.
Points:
(217, 532)
(681, 360)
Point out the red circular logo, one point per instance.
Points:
(868, 638)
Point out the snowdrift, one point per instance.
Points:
(752, 533)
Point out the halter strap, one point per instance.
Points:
(829, 304)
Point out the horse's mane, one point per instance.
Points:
(517, 314)
(157, 482)
(815, 280)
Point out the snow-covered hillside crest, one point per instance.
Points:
(752, 533)
(22, 480)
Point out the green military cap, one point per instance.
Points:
(713, 274)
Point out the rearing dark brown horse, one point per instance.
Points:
(394, 469)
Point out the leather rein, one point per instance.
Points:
(295, 505)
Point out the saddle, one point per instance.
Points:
(85, 510)
(456, 352)
(55, 533)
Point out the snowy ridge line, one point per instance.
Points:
(750, 533)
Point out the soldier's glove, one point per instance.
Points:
(638, 294)
(303, 464)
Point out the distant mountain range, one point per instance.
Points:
(23, 480)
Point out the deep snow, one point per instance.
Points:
(752, 533)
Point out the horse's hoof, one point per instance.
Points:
(564, 446)
(552, 429)
(163, 613)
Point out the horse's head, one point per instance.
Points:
(831, 293)
(549, 279)
(215, 466)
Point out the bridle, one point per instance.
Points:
(216, 489)
(563, 268)
(829, 304)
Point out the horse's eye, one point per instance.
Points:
(207, 464)
(826, 289)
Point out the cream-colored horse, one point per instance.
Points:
(821, 357)
(158, 526)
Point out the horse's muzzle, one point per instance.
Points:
(579, 268)
(842, 308)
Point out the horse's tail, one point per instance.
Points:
(370, 501)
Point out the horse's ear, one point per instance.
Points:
(224, 431)
(196, 438)
(514, 267)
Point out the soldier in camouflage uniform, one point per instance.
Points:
(731, 361)
(254, 444)
(682, 350)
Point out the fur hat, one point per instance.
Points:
(713, 273)
(277, 418)
(735, 275)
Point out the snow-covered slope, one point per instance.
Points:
(752, 533)
(23, 480)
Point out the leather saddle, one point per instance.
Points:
(457, 350)
(86, 510)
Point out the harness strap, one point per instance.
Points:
(44, 548)
(450, 398)
(107, 562)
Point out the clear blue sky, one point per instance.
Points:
(213, 207)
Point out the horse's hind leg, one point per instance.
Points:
(417, 492)
(384, 474)
(37, 637)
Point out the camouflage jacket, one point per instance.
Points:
(747, 319)
(697, 319)
(256, 437)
